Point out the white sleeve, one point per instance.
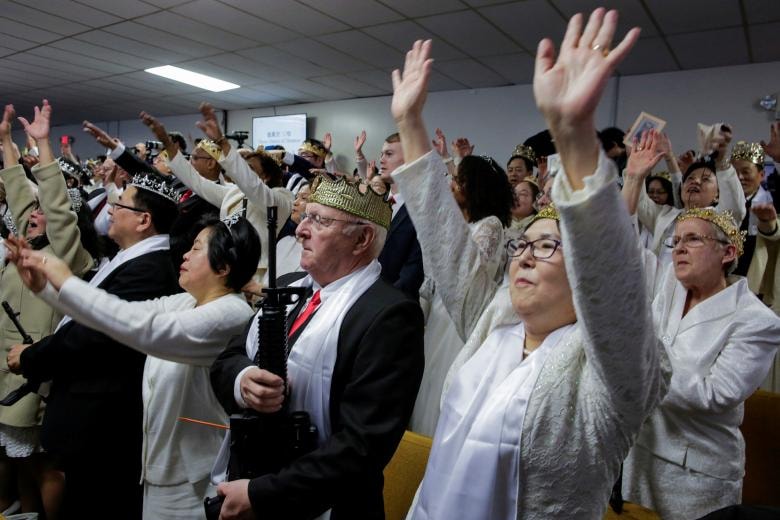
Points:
(210, 191)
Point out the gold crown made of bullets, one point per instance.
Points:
(310, 147)
(665, 175)
(524, 151)
(723, 219)
(752, 152)
(211, 148)
(353, 196)
(549, 211)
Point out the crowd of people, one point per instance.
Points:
(577, 322)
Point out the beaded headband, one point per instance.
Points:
(526, 152)
(752, 152)
(724, 220)
(162, 188)
(353, 196)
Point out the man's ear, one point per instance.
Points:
(364, 240)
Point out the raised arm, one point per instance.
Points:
(62, 222)
(18, 193)
(645, 154)
(602, 262)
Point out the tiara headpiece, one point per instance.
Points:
(234, 217)
(75, 199)
(156, 185)
(665, 175)
(68, 168)
(309, 146)
(752, 152)
(724, 220)
(355, 197)
(211, 148)
(549, 211)
(526, 152)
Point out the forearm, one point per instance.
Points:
(246, 179)
(769, 229)
(731, 196)
(210, 191)
(46, 155)
(18, 195)
(578, 146)
(414, 137)
(632, 188)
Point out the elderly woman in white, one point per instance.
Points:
(537, 420)
(182, 334)
(689, 459)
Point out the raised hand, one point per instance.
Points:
(765, 212)
(462, 147)
(46, 265)
(359, 142)
(410, 87)
(568, 87)
(39, 128)
(154, 124)
(100, 135)
(8, 117)
(685, 160)
(772, 148)
(16, 248)
(645, 154)
(327, 141)
(371, 170)
(209, 124)
(440, 144)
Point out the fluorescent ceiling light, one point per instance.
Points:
(193, 78)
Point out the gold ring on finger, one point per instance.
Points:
(43, 261)
(639, 149)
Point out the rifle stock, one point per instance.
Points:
(29, 386)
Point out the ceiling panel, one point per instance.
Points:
(15, 29)
(695, 50)
(761, 11)
(41, 19)
(377, 78)
(235, 21)
(215, 70)
(298, 67)
(632, 14)
(356, 14)
(316, 89)
(79, 61)
(649, 55)
(162, 39)
(515, 68)
(80, 49)
(123, 9)
(527, 22)
(16, 44)
(765, 41)
(471, 73)
(129, 46)
(674, 16)
(205, 33)
(351, 85)
(364, 47)
(291, 14)
(470, 33)
(322, 55)
(413, 8)
(70, 10)
(401, 36)
(264, 73)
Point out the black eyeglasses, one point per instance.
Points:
(131, 208)
(541, 248)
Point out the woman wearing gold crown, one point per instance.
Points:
(538, 417)
(689, 458)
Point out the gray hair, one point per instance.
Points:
(721, 235)
(380, 234)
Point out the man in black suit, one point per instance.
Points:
(93, 420)
(355, 365)
(401, 257)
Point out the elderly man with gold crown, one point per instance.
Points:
(355, 363)
(689, 457)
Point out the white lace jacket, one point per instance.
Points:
(605, 377)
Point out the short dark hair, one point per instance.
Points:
(177, 138)
(163, 211)
(706, 163)
(236, 247)
(393, 138)
(665, 183)
(529, 164)
(612, 136)
(270, 167)
(486, 188)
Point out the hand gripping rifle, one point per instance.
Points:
(29, 386)
(263, 443)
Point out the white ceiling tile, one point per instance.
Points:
(129, 46)
(516, 68)
(123, 9)
(481, 3)
(16, 44)
(205, 33)
(5, 51)
(167, 3)
(470, 33)
(401, 35)
(351, 86)
(72, 11)
(41, 67)
(254, 69)
(765, 41)
(471, 73)
(365, 48)
(258, 97)
(41, 19)
(16, 29)
(527, 22)
(152, 84)
(235, 21)
(632, 14)
(316, 89)
(290, 14)
(78, 47)
(439, 81)
(214, 69)
(78, 60)
(379, 79)
(322, 55)
(356, 14)
(298, 67)
(761, 11)
(649, 55)
(281, 90)
(675, 17)
(415, 8)
(162, 39)
(695, 50)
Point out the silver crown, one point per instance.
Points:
(75, 199)
(69, 168)
(8, 220)
(149, 183)
(234, 217)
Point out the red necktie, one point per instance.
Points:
(392, 200)
(314, 303)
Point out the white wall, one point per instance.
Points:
(497, 119)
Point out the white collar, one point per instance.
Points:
(333, 287)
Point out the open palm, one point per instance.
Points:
(39, 128)
(410, 87)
